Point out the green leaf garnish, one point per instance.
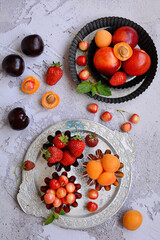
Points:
(103, 89)
(84, 87)
(93, 90)
(56, 215)
(50, 219)
(62, 212)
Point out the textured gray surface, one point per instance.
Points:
(52, 20)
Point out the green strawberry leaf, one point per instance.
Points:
(84, 87)
(93, 90)
(103, 89)
(62, 212)
(50, 219)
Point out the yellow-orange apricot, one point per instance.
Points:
(94, 169)
(50, 100)
(103, 38)
(132, 220)
(30, 85)
(110, 163)
(106, 178)
(122, 51)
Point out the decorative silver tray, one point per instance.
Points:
(109, 202)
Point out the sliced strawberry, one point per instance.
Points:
(67, 159)
(60, 140)
(54, 154)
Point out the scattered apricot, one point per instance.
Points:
(106, 178)
(110, 163)
(50, 100)
(122, 51)
(94, 169)
(103, 38)
(30, 85)
(132, 220)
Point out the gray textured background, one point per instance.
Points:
(52, 20)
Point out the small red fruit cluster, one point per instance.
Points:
(126, 127)
(63, 150)
(92, 206)
(106, 116)
(60, 192)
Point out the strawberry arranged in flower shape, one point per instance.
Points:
(54, 74)
(60, 140)
(54, 154)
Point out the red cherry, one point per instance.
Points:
(126, 127)
(51, 191)
(71, 198)
(93, 107)
(49, 198)
(83, 45)
(57, 202)
(54, 184)
(61, 192)
(84, 75)
(70, 187)
(93, 194)
(92, 206)
(134, 118)
(81, 60)
(63, 180)
(106, 116)
(91, 140)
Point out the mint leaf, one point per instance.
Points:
(62, 212)
(56, 215)
(50, 219)
(84, 87)
(103, 89)
(93, 90)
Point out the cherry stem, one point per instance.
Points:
(75, 35)
(120, 111)
(28, 205)
(19, 165)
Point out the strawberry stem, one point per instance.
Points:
(77, 137)
(76, 35)
(19, 165)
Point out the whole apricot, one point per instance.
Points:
(106, 178)
(110, 163)
(126, 34)
(94, 169)
(103, 38)
(105, 61)
(132, 220)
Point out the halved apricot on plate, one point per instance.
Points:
(50, 100)
(122, 51)
(30, 85)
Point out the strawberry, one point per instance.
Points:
(60, 140)
(67, 159)
(28, 165)
(54, 74)
(118, 78)
(54, 154)
(76, 145)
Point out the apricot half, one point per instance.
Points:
(105, 61)
(132, 220)
(138, 64)
(110, 163)
(126, 34)
(94, 169)
(50, 100)
(122, 51)
(103, 38)
(106, 178)
(30, 85)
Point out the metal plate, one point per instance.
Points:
(108, 202)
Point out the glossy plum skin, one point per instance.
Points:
(105, 61)
(126, 34)
(13, 65)
(18, 119)
(138, 64)
(32, 45)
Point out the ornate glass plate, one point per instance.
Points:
(108, 202)
(134, 85)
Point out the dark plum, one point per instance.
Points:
(18, 119)
(13, 65)
(32, 45)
